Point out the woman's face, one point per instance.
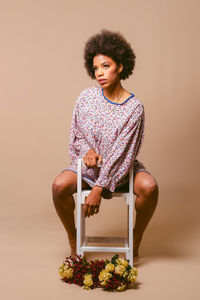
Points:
(106, 70)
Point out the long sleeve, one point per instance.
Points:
(78, 145)
(124, 151)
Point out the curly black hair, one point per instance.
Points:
(111, 44)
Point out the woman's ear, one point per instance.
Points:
(120, 68)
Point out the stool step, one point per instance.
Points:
(103, 239)
(104, 249)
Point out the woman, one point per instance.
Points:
(107, 130)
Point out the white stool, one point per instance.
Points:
(82, 240)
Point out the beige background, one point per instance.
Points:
(41, 75)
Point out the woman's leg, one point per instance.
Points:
(64, 185)
(146, 191)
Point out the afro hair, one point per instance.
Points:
(111, 44)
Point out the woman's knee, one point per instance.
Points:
(150, 189)
(57, 188)
(148, 202)
(147, 187)
(61, 188)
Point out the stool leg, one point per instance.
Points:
(82, 227)
(79, 209)
(78, 227)
(127, 230)
(130, 216)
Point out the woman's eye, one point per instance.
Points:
(105, 66)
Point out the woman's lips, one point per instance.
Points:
(102, 81)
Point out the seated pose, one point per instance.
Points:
(107, 131)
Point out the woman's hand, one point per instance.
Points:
(90, 160)
(93, 201)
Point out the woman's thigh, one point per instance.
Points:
(67, 182)
(144, 183)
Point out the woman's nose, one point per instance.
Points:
(100, 72)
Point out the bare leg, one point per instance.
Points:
(146, 190)
(64, 185)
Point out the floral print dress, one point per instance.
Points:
(114, 130)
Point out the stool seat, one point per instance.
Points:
(125, 191)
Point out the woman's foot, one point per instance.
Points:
(73, 253)
(136, 258)
(73, 249)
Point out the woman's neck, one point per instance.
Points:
(114, 92)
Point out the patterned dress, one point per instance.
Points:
(114, 130)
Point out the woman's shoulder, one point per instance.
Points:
(136, 104)
(90, 91)
(136, 108)
(87, 96)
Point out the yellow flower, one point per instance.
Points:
(62, 265)
(135, 270)
(121, 288)
(125, 274)
(132, 274)
(86, 287)
(88, 280)
(122, 261)
(104, 282)
(104, 276)
(62, 269)
(68, 272)
(109, 267)
(120, 269)
(131, 278)
(65, 267)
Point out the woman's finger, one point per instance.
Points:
(96, 209)
(100, 159)
(85, 159)
(91, 210)
(92, 161)
(88, 162)
(86, 209)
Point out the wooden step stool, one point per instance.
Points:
(82, 240)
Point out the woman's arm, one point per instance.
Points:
(78, 145)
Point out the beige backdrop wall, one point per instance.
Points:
(42, 74)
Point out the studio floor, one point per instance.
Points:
(34, 245)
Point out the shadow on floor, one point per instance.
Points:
(172, 232)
